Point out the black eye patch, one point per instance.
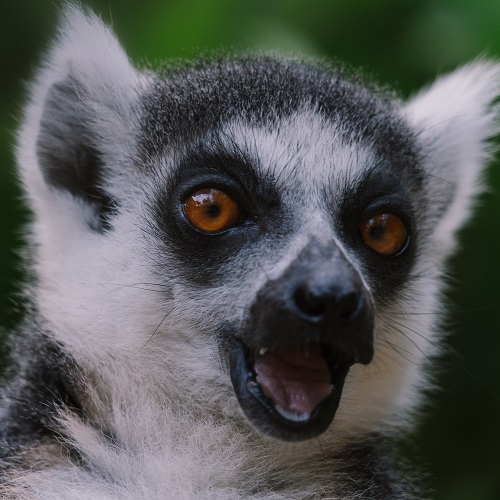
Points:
(202, 255)
(379, 195)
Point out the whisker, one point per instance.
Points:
(400, 351)
(159, 325)
(402, 325)
(458, 311)
(140, 286)
(449, 352)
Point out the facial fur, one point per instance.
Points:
(179, 347)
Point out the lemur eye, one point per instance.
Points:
(211, 211)
(384, 233)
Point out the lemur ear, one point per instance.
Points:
(78, 118)
(455, 120)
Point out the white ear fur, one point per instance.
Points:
(87, 51)
(454, 119)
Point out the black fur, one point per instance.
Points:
(187, 103)
(68, 151)
(376, 474)
(44, 383)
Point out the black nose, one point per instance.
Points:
(336, 304)
(320, 297)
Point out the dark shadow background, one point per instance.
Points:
(402, 42)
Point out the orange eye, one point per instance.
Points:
(211, 211)
(384, 233)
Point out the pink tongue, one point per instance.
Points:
(294, 377)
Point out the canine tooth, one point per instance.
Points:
(263, 350)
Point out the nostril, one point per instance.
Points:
(338, 306)
(310, 304)
(349, 304)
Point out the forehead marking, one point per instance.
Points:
(302, 150)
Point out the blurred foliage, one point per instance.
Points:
(403, 43)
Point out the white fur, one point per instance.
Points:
(454, 119)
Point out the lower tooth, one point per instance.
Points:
(263, 350)
(291, 415)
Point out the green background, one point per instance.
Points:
(404, 43)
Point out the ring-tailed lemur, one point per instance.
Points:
(231, 257)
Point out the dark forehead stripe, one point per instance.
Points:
(188, 102)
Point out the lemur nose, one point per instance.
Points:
(335, 304)
(319, 297)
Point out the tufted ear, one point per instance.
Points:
(79, 117)
(455, 120)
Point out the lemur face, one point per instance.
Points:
(254, 232)
(289, 225)
(287, 238)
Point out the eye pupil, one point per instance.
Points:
(211, 210)
(376, 232)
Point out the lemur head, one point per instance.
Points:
(252, 235)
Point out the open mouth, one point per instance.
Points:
(290, 391)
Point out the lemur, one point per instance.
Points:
(230, 259)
